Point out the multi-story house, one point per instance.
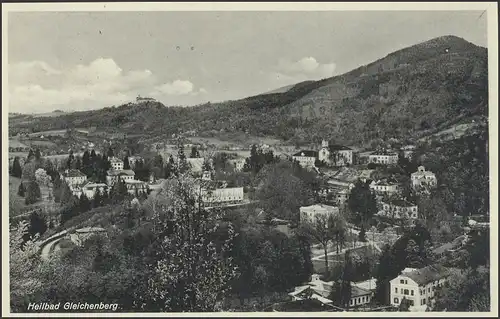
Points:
(124, 175)
(89, 189)
(383, 157)
(384, 187)
(306, 158)
(399, 209)
(423, 179)
(116, 164)
(418, 286)
(134, 186)
(335, 155)
(311, 213)
(74, 177)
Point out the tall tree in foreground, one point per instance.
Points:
(24, 266)
(321, 230)
(362, 202)
(192, 272)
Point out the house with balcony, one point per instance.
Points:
(135, 186)
(418, 286)
(335, 155)
(90, 189)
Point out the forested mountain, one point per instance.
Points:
(409, 93)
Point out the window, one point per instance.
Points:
(423, 301)
(412, 303)
(406, 292)
(396, 289)
(406, 282)
(429, 289)
(401, 281)
(396, 300)
(411, 291)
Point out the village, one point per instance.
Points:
(340, 168)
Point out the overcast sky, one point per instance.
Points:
(75, 61)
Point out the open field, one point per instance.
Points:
(17, 205)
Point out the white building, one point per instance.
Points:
(384, 187)
(124, 175)
(387, 158)
(116, 164)
(310, 213)
(336, 155)
(89, 189)
(74, 178)
(399, 209)
(238, 164)
(361, 292)
(306, 158)
(418, 286)
(134, 185)
(423, 178)
(222, 196)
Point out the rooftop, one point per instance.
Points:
(319, 208)
(73, 173)
(427, 274)
(306, 153)
(338, 147)
(127, 172)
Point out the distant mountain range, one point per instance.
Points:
(413, 92)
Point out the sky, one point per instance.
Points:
(88, 60)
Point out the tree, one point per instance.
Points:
(193, 272)
(69, 210)
(322, 230)
(362, 234)
(194, 152)
(69, 161)
(182, 163)
(24, 270)
(17, 170)
(77, 163)
(97, 200)
(386, 271)
(126, 163)
(41, 177)
(465, 290)
(38, 155)
(66, 194)
(21, 190)
(87, 164)
(404, 306)
(347, 278)
(33, 193)
(38, 224)
(110, 153)
(84, 203)
(31, 155)
(362, 202)
(281, 194)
